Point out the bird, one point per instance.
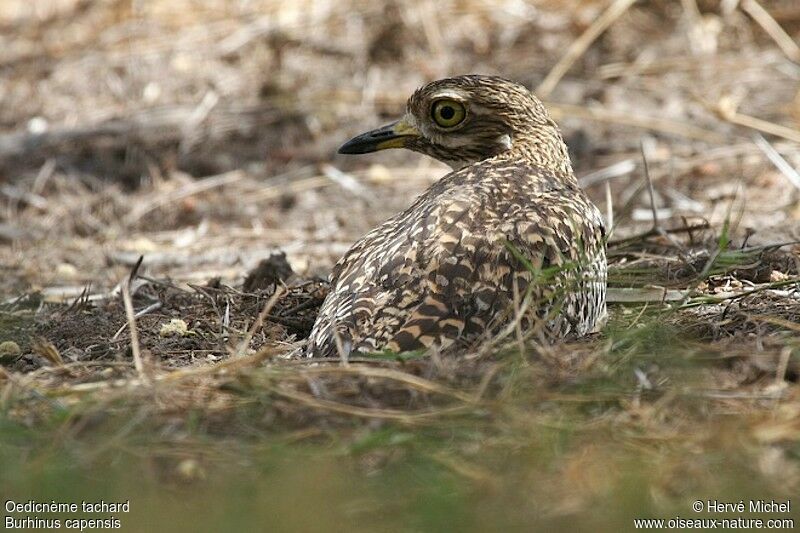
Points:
(507, 237)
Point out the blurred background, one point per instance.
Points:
(203, 133)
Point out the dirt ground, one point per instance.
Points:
(183, 152)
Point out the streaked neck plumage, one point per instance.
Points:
(542, 145)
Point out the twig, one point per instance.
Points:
(191, 132)
(279, 292)
(469, 471)
(517, 312)
(31, 199)
(775, 321)
(726, 109)
(305, 180)
(581, 44)
(645, 294)
(137, 356)
(404, 416)
(652, 233)
(649, 181)
(777, 159)
(346, 181)
(206, 184)
(47, 349)
(245, 34)
(422, 384)
(657, 227)
(773, 29)
(705, 300)
(663, 125)
(783, 364)
(150, 308)
(229, 365)
(617, 170)
(682, 63)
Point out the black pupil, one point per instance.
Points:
(447, 112)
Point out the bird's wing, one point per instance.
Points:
(444, 268)
(482, 263)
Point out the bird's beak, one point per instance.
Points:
(392, 135)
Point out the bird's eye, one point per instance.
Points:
(448, 113)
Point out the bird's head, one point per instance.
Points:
(466, 119)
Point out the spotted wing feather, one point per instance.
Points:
(448, 267)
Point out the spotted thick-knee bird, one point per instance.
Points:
(507, 235)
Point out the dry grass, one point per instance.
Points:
(200, 135)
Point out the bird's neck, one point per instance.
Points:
(544, 147)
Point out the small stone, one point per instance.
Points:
(38, 125)
(777, 275)
(379, 173)
(151, 92)
(174, 328)
(66, 271)
(190, 470)
(9, 350)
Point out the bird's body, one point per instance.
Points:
(508, 233)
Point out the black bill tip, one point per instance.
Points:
(373, 141)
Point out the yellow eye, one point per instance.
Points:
(448, 113)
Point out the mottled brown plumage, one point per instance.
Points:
(508, 225)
